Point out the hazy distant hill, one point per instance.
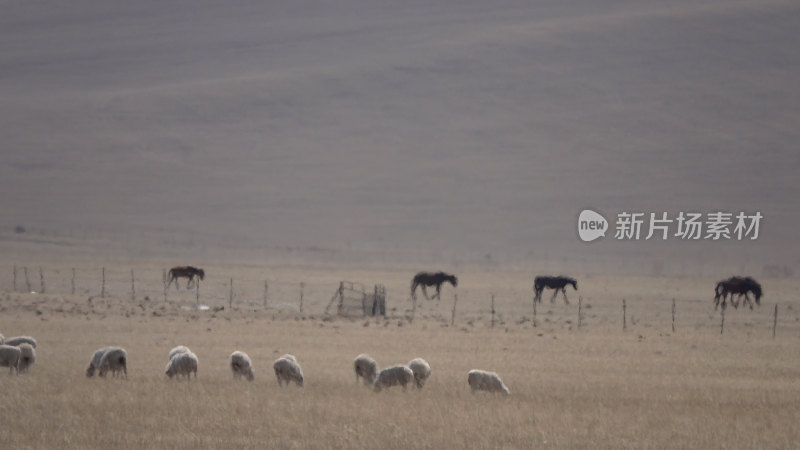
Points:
(467, 126)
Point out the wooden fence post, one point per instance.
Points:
(624, 316)
(534, 312)
(164, 281)
(376, 306)
(27, 280)
(775, 321)
(230, 296)
(41, 280)
(580, 310)
(413, 307)
(103, 287)
(73, 281)
(302, 285)
(133, 286)
(341, 298)
(453, 317)
(673, 315)
(492, 310)
(266, 289)
(197, 292)
(722, 322)
(15, 278)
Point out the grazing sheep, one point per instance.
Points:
(178, 349)
(287, 369)
(182, 364)
(27, 357)
(366, 368)
(15, 341)
(115, 360)
(421, 370)
(241, 365)
(9, 357)
(393, 376)
(481, 380)
(94, 364)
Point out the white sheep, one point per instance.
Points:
(27, 357)
(15, 341)
(241, 365)
(114, 360)
(94, 364)
(178, 349)
(366, 368)
(393, 376)
(421, 370)
(481, 380)
(182, 364)
(287, 370)
(9, 357)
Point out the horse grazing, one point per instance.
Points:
(185, 272)
(558, 283)
(431, 279)
(737, 285)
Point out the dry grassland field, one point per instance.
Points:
(595, 386)
(286, 146)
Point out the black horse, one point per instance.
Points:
(737, 285)
(185, 272)
(431, 279)
(558, 283)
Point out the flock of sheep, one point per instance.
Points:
(18, 354)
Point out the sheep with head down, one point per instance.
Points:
(287, 369)
(9, 357)
(481, 380)
(115, 360)
(421, 370)
(241, 365)
(27, 357)
(394, 376)
(366, 368)
(184, 363)
(94, 363)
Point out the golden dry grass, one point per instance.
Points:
(596, 386)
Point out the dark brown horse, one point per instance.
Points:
(431, 279)
(737, 285)
(189, 272)
(558, 283)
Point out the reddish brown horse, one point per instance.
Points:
(431, 279)
(193, 274)
(737, 285)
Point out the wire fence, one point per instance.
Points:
(495, 306)
(151, 284)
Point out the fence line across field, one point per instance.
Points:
(141, 283)
(144, 283)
